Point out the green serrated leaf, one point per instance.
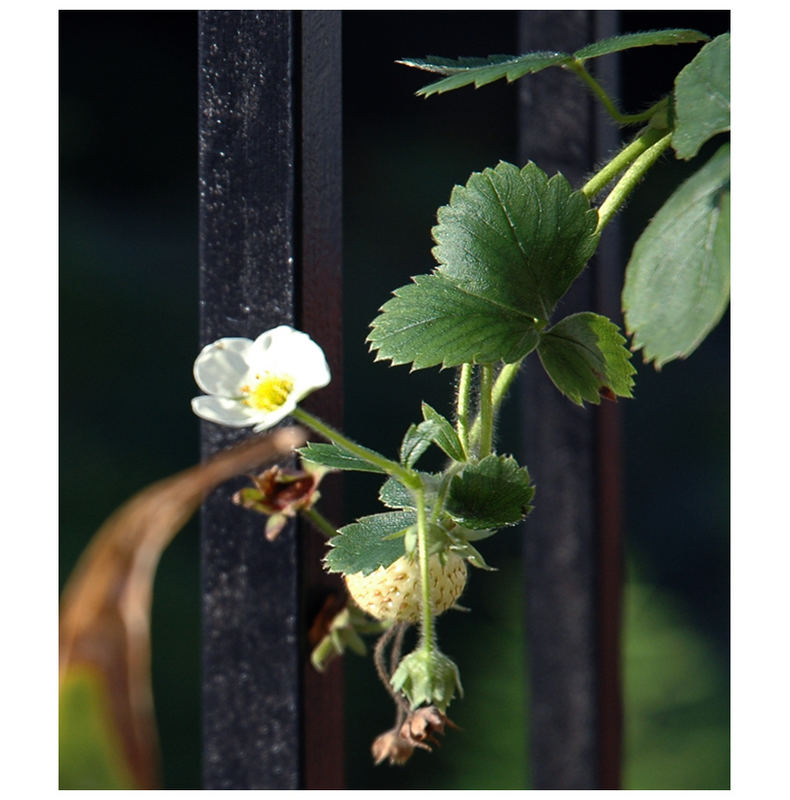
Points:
(432, 322)
(677, 282)
(515, 237)
(702, 98)
(394, 494)
(509, 244)
(492, 493)
(363, 545)
(446, 437)
(586, 358)
(417, 440)
(329, 455)
(481, 71)
(628, 41)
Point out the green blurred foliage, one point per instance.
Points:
(91, 755)
(676, 697)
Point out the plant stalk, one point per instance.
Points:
(501, 385)
(623, 159)
(486, 410)
(320, 522)
(577, 66)
(462, 406)
(630, 179)
(427, 637)
(392, 468)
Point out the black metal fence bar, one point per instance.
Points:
(321, 280)
(564, 621)
(256, 156)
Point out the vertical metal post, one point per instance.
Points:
(252, 153)
(321, 314)
(564, 588)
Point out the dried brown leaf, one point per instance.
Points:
(106, 605)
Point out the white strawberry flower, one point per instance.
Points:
(257, 383)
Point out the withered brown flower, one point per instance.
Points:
(281, 494)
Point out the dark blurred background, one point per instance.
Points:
(129, 334)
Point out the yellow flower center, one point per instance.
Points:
(269, 393)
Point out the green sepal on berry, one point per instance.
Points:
(427, 677)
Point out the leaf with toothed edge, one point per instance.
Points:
(586, 358)
(491, 493)
(481, 71)
(417, 440)
(334, 457)
(677, 282)
(509, 244)
(446, 437)
(369, 543)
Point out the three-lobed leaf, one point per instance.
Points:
(586, 358)
(492, 493)
(481, 71)
(369, 543)
(509, 244)
(677, 282)
(702, 98)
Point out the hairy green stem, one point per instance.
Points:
(623, 159)
(486, 410)
(630, 179)
(427, 642)
(392, 468)
(498, 392)
(462, 406)
(577, 66)
(503, 381)
(320, 522)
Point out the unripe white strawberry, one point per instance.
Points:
(393, 592)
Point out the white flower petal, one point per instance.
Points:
(285, 351)
(226, 412)
(222, 368)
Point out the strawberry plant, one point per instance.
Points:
(508, 246)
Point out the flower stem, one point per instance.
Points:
(462, 406)
(405, 476)
(486, 410)
(628, 182)
(320, 522)
(623, 159)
